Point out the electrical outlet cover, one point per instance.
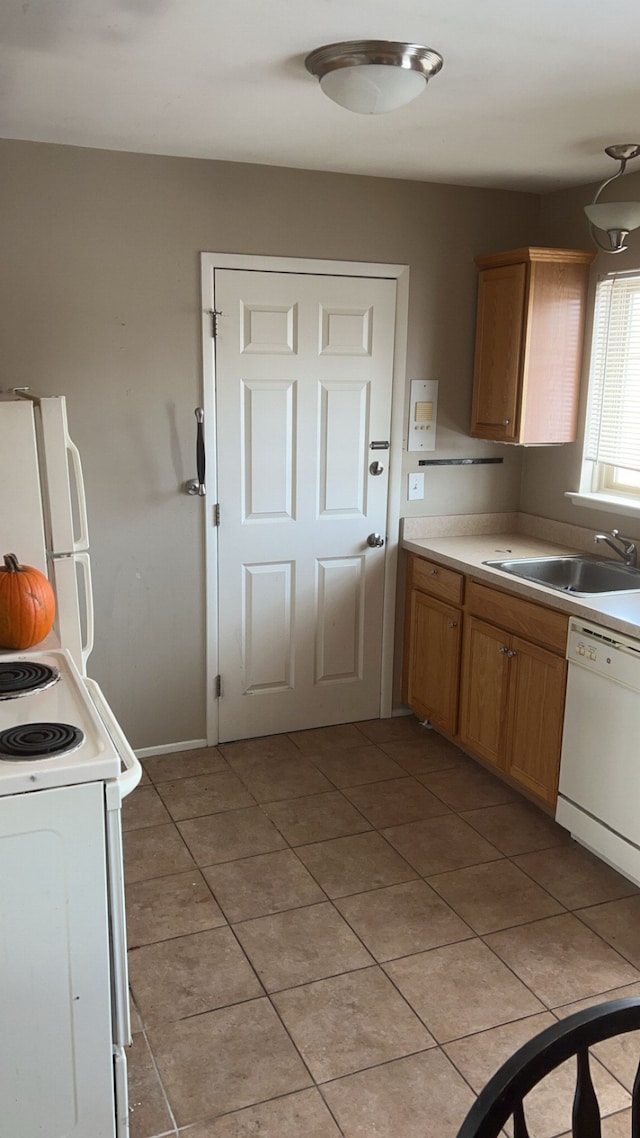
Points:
(416, 486)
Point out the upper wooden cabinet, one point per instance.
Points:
(530, 326)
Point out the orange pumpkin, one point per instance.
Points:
(27, 604)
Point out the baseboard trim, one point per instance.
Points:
(170, 748)
(193, 744)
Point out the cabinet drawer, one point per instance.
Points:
(525, 618)
(435, 579)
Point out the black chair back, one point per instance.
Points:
(504, 1094)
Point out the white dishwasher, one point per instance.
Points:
(599, 791)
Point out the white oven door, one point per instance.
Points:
(56, 1048)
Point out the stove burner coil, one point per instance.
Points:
(38, 741)
(21, 677)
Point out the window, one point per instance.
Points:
(611, 467)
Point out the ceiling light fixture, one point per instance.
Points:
(372, 77)
(616, 219)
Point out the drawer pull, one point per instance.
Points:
(505, 422)
(433, 572)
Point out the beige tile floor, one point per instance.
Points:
(346, 931)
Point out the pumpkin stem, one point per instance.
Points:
(11, 563)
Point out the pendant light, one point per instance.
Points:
(616, 219)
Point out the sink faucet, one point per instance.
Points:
(628, 552)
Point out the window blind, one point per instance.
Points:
(613, 430)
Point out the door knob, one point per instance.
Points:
(375, 540)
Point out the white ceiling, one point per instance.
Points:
(530, 93)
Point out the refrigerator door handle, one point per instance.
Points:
(82, 540)
(66, 507)
(87, 647)
(70, 576)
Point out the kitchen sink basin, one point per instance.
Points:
(579, 575)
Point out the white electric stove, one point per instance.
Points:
(65, 767)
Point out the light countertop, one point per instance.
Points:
(466, 554)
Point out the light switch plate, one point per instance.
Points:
(423, 412)
(416, 486)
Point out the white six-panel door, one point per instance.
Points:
(304, 367)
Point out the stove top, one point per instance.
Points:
(51, 733)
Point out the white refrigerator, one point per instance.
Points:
(65, 768)
(43, 511)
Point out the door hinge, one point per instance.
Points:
(216, 514)
(214, 313)
(218, 686)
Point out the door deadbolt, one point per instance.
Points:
(376, 468)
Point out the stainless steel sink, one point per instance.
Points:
(580, 575)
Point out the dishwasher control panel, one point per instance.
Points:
(603, 651)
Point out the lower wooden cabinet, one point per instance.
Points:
(512, 706)
(499, 689)
(536, 714)
(485, 680)
(432, 660)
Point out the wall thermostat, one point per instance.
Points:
(423, 411)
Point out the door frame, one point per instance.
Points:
(209, 262)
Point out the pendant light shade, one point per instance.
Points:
(372, 77)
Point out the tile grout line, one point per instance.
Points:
(159, 1078)
(238, 1110)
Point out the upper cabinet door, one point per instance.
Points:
(501, 300)
(530, 325)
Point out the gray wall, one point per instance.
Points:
(99, 285)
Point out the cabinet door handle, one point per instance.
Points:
(511, 654)
(505, 422)
(453, 624)
(503, 650)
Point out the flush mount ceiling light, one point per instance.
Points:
(616, 219)
(371, 77)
